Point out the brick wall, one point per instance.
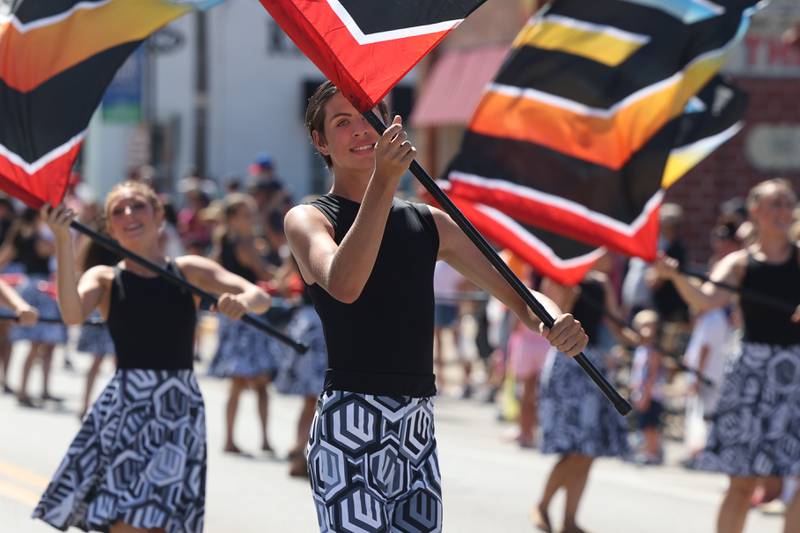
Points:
(728, 172)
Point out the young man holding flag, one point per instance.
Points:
(368, 260)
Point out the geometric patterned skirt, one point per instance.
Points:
(373, 465)
(304, 374)
(243, 351)
(45, 332)
(139, 458)
(756, 426)
(574, 415)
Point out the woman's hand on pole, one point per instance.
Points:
(27, 316)
(231, 306)
(58, 219)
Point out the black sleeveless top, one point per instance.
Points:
(32, 262)
(588, 307)
(152, 322)
(383, 342)
(227, 258)
(763, 323)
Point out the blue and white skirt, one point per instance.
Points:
(574, 415)
(304, 374)
(139, 458)
(46, 332)
(96, 339)
(756, 426)
(243, 351)
(373, 464)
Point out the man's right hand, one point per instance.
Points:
(393, 153)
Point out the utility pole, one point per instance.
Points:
(201, 92)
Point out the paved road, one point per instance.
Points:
(489, 484)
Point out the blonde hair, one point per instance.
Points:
(137, 187)
(234, 201)
(760, 190)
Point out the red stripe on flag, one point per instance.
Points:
(562, 220)
(364, 73)
(47, 185)
(530, 254)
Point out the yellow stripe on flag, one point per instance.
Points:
(598, 43)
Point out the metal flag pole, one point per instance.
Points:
(620, 404)
(207, 297)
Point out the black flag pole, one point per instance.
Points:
(207, 297)
(620, 404)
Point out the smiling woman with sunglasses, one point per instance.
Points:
(139, 459)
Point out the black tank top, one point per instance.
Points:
(765, 324)
(588, 307)
(151, 321)
(32, 262)
(227, 258)
(383, 342)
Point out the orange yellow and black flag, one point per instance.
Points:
(57, 57)
(599, 107)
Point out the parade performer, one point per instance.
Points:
(31, 245)
(755, 433)
(577, 421)
(368, 259)
(244, 354)
(26, 316)
(139, 459)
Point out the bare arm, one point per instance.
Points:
(76, 299)
(456, 248)
(26, 314)
(237, 294)
(702, 298)
(343, 270)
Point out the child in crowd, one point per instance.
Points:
(647, 384)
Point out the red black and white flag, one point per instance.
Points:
(366, 46)
(599, 107)
(57, 57)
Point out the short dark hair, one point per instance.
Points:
(315, 112)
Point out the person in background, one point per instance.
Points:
(647, 385)
(756, 426)
(31, 244)
(245, 355)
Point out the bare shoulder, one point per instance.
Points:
(102, 275)
(735, 260)
(731, 267)
(439, 216)
(304, 219)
